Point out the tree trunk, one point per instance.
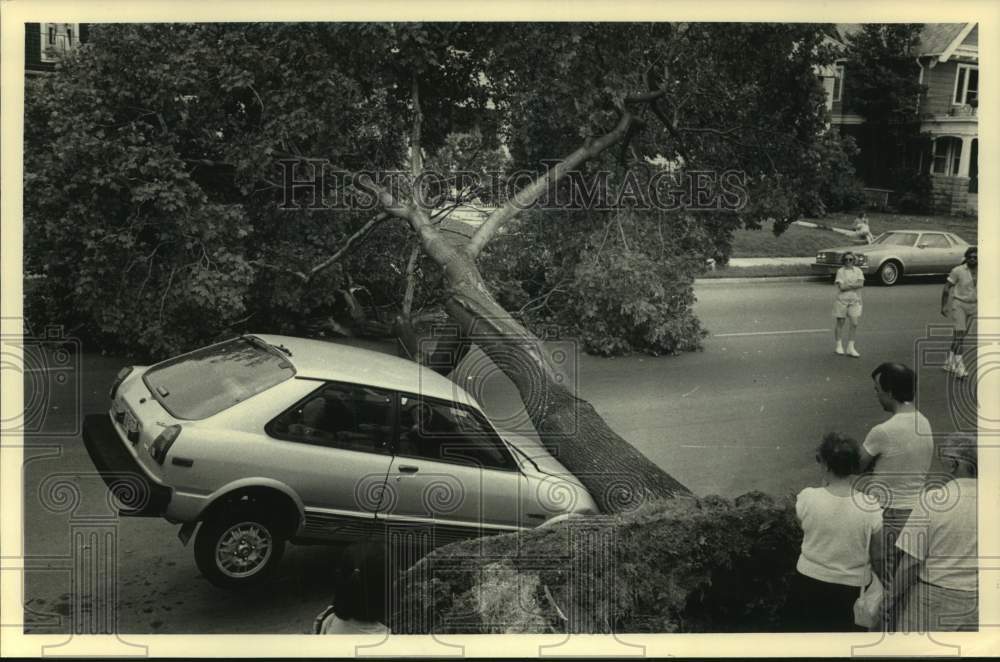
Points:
(618, 476)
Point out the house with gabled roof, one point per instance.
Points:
(946, 61)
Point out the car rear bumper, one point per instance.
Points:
(137, 495)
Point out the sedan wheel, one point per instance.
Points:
(889, 273)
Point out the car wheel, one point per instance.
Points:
(238, 548)
(890, 272)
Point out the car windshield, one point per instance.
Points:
(209, 380)
(897, 239)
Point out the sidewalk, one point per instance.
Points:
(741, 269)
(768, 261)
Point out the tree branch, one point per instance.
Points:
(411, 269)
(285, 270)
(416, 158)
(526, 196)
(353, 239)
(307, 277)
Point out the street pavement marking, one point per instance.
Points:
(827, 330)
(691, 391)
(769, 333)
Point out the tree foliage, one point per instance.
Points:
(883, 84)
(153, 165)
(884, 88)
(707, 565)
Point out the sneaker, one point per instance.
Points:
(949, 365)
(960, 370)
(851, 351)
(839, 349)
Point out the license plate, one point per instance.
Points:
(131, 423)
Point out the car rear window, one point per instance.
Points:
(209, 380)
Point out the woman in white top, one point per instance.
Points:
(840, 528)
(849, 281)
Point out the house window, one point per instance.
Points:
(838, 83)
(57, 40)
(947, 156)
(966, 85)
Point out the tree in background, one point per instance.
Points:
(884, 89)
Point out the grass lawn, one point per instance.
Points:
(797, 241)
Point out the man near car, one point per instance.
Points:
(898, 454)
(958, 302)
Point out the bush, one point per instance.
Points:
(686, 565)
(836, 186)
(913, 191)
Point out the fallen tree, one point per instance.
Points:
(683, 565)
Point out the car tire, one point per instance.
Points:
(889, 273)
(238, 548)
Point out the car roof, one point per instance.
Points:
(326, 360)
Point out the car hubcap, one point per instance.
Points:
(889, 274)
(243, 549)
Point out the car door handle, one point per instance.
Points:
(408, 469)
(182, 461)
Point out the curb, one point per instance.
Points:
(751, 279)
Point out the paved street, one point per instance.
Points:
(744, 414)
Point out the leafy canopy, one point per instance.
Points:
(153, 166)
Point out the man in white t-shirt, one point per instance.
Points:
(940, 541)
(898, 454)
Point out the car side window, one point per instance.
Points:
(446, 432)
(348, 416)
(930, 240)
(900, 239)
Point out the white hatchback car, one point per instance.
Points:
(264, 439)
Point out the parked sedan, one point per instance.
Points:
(264, 439)
(899, 252)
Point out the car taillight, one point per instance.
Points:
(119, 378)
(163, 442)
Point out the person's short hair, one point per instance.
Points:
(840, 453)
(843, 258)
(970, 251)
(361, 583)
(962, 447)
(897, 380)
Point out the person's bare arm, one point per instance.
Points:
(945, 293)
(867, 460)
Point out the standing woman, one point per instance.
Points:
(841, 537)
(849, 281)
